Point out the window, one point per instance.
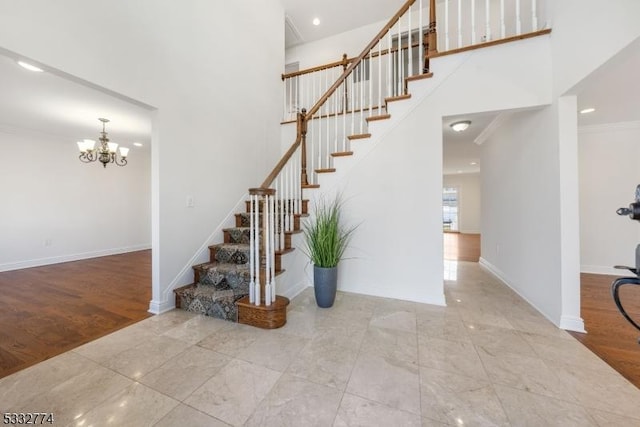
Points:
(450, 209)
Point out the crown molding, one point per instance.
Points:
(491, 128)
(608, 127)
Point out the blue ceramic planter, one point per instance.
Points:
(325, 284)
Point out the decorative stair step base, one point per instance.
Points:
(266, 317)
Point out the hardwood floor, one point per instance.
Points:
(462, 247)
(609, 335)
(45, 311)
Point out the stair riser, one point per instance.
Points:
(304, 207)
(234, 236)
(217, 254)
(201, 276)
(243, 220)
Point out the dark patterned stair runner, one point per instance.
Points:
(220, 283)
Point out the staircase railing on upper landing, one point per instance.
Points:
(344, 96)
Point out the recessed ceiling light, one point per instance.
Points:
(459, 171)
(587, 110)
(473, 163)
(460, 126)
(29, 67)
(137, 144)
(316, 21)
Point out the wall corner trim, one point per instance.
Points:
(491, 128)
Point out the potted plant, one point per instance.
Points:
(326, 240)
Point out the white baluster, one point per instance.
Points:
(518, 20)
(389, 56)
(296, 185)
(534, 16)
(409, 47)
(370, 100)
(446, 25)
(336, 107)
(297, 99)
(285, 111)
(283, 206)
(380, 77)
(361, 89)
(473, 22)
(275, 230)
(272, 284)
(320, 144)
(327, 119)
(420, 40)
(459, 23)
(268, 231)
(487, 21)
(344, 114)
(353, 100)
(399, 59)
(257, 252)
(503, 27)
(252, 254)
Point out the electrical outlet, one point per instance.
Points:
(190, 202)
(48, 241)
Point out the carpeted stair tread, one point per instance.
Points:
(224, 275)
(232, 253)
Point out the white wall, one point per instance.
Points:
(520, 208)
(56, 208)
(468, 185)
(215, 131)
(609, 174)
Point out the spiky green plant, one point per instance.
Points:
(325, 238)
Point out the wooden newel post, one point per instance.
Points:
(431, 41)
(302, 133)
(345, 64)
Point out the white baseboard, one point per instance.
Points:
(71, 257)
(159, 307)
(570, 323)
(602, 269)
(295, 290)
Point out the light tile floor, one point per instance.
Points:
(488, 359)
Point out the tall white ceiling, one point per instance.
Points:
(51, 104)
(336, 16)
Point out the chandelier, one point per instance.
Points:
(106, 151)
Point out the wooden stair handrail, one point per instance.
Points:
(342, 63)
(283, 161)
(359, 58)
(304, 116)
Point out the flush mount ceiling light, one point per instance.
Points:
(137, 144)
(461, 125)
(29, 67)
(106, 151)
(316, 21)
(587, 110)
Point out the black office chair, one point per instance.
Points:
(633, 211)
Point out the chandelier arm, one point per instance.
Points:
(101, 152)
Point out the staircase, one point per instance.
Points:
(221, 286)
(239, 281)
